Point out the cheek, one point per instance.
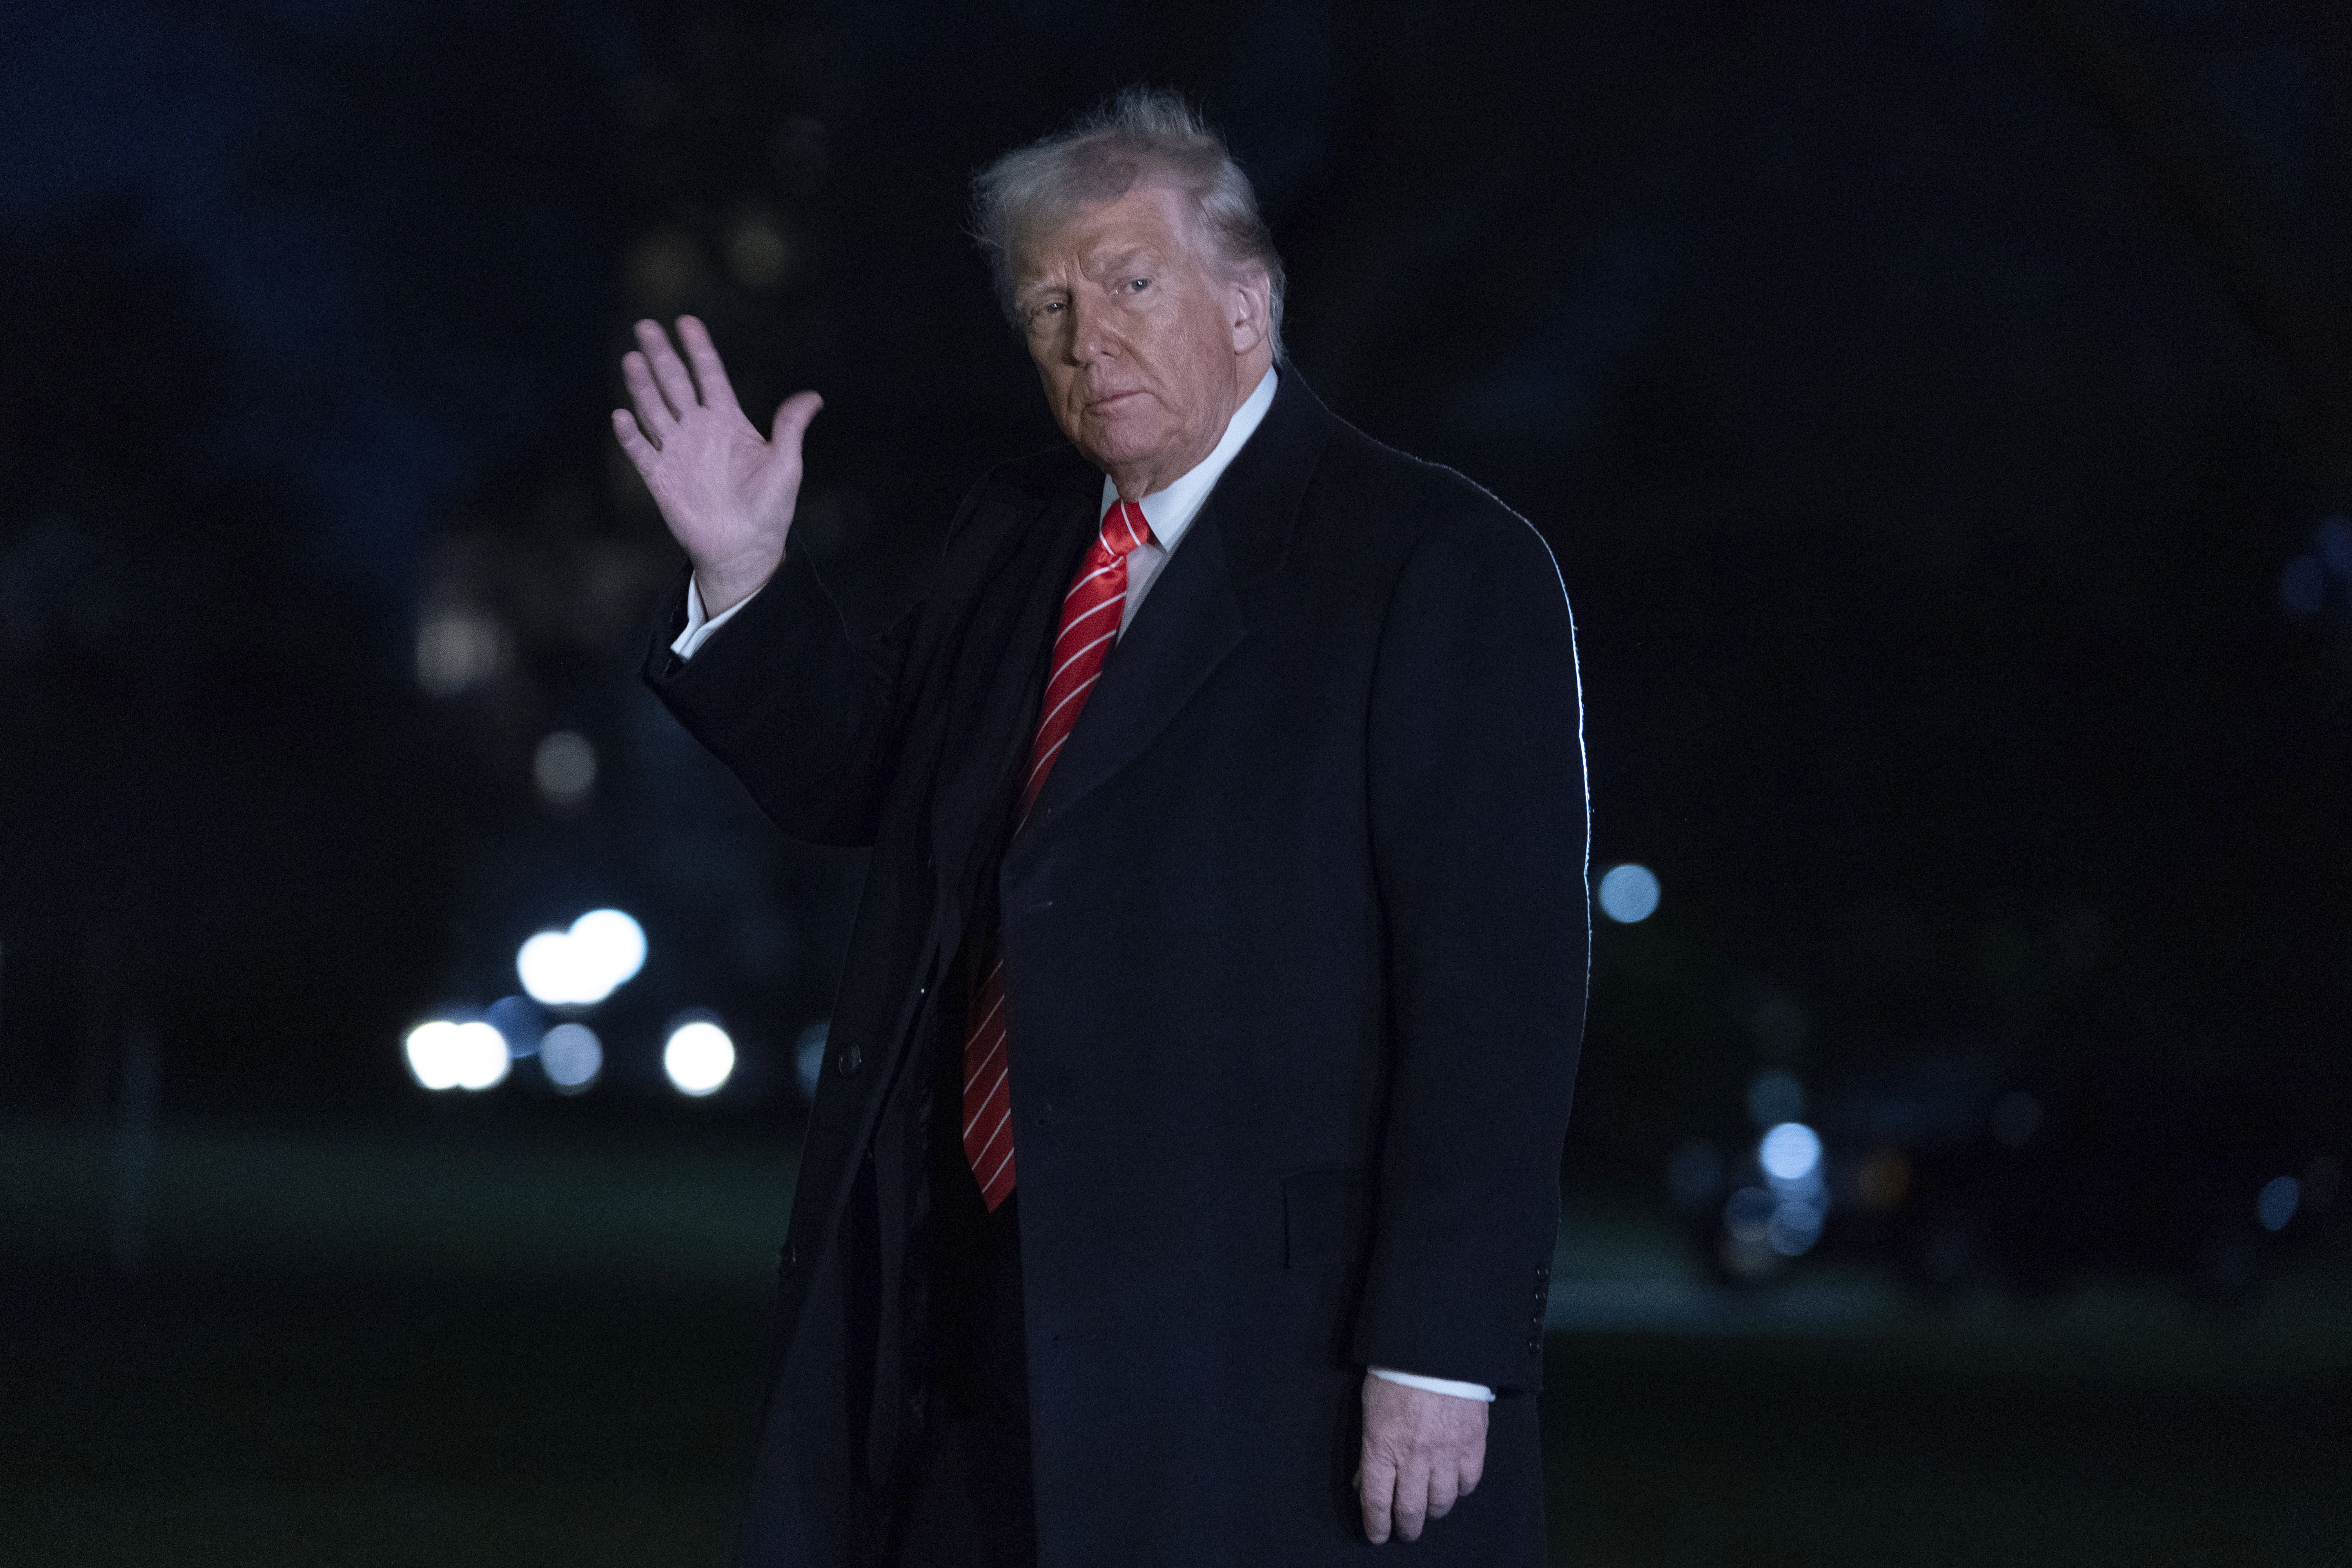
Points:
(1057, 380)
(1205, 349)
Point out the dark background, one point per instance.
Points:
(1941, 413)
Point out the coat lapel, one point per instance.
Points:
(1193, 618)
(1035, 561)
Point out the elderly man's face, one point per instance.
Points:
(1146, 347)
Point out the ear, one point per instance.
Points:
(1249, 309)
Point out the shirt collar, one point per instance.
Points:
(1171, 511)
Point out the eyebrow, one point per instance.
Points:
(1128, 258)
(1035, 289)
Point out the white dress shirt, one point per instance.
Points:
(1171, 513)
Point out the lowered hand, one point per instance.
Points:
(1421, 1451)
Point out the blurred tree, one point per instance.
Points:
(205, 814)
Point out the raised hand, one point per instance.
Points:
(726, 491)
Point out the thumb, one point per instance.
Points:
(792, 418)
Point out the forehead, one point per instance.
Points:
(1149, 217)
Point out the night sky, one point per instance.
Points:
(1939, 411)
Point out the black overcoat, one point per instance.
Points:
(1296, 946)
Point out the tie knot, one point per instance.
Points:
(1124, 529)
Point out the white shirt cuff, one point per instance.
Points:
(1436, 1384)
(700, 626)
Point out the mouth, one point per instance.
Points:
(1109, 400)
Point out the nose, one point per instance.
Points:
(1089, 337)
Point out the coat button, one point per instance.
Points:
(852, 1060)
(792, 1256)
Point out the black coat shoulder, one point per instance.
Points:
(1371, 499)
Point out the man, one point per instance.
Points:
(1182, 1183)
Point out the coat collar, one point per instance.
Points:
(1194, 617)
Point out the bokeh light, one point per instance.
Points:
(572, 1056)
(1789, 1153)
(519, 1020)
(758, 257)
(564, 768)
(1794, 1227)
(581, 966)
(2276, 1204)
(457, 649)
(445, 1055)
(1629, 893)
(698, 1058)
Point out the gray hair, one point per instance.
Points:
(1144, 133)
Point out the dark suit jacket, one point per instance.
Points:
(1296, 948)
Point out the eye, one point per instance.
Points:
(1138, 285)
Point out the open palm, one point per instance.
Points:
(726, 492)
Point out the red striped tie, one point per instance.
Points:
(1090, 616)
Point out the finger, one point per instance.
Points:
(640, 451)
(1375, 1490)
(702, 356)
(1472, 1466)
(1444, 1487)
(654, 411)
(793, 419)
(669, 371)
(1412, 1508)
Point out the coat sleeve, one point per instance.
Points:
(1478, 814)
(801, 695)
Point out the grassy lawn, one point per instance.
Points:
(451, 1350)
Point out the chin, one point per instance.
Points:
(1111, 443)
